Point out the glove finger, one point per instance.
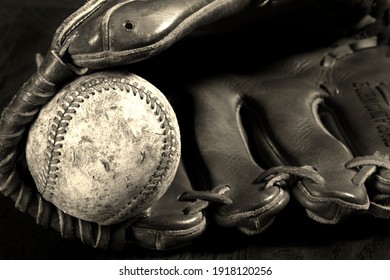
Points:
(295, 136)
(363, 106)
(230, 166)
(167, 224)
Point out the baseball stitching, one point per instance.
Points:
(68, 108)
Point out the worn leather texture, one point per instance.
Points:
(313, 112)
(117, 32)
(266, 124)
(221, 144)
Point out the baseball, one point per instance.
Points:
(105, 147)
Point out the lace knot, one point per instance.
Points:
(202, 199)
(367, 166)
(280, 174)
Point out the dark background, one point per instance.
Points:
(26, 27)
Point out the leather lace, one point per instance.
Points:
(377, 23)
(368, 165)
(202, 199)
(276, 176)
(14, 122)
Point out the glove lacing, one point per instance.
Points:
(377, 23)
(283, 173)
(14, 122)
(276, 176)
(368, 165)
(202, 199)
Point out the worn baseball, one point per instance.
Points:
(105, 147)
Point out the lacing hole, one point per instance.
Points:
(128, 25)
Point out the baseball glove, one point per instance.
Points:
(104, 34)
(313, 123)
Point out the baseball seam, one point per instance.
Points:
(69, 106)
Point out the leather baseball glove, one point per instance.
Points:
(225, 120)
(313, 122)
